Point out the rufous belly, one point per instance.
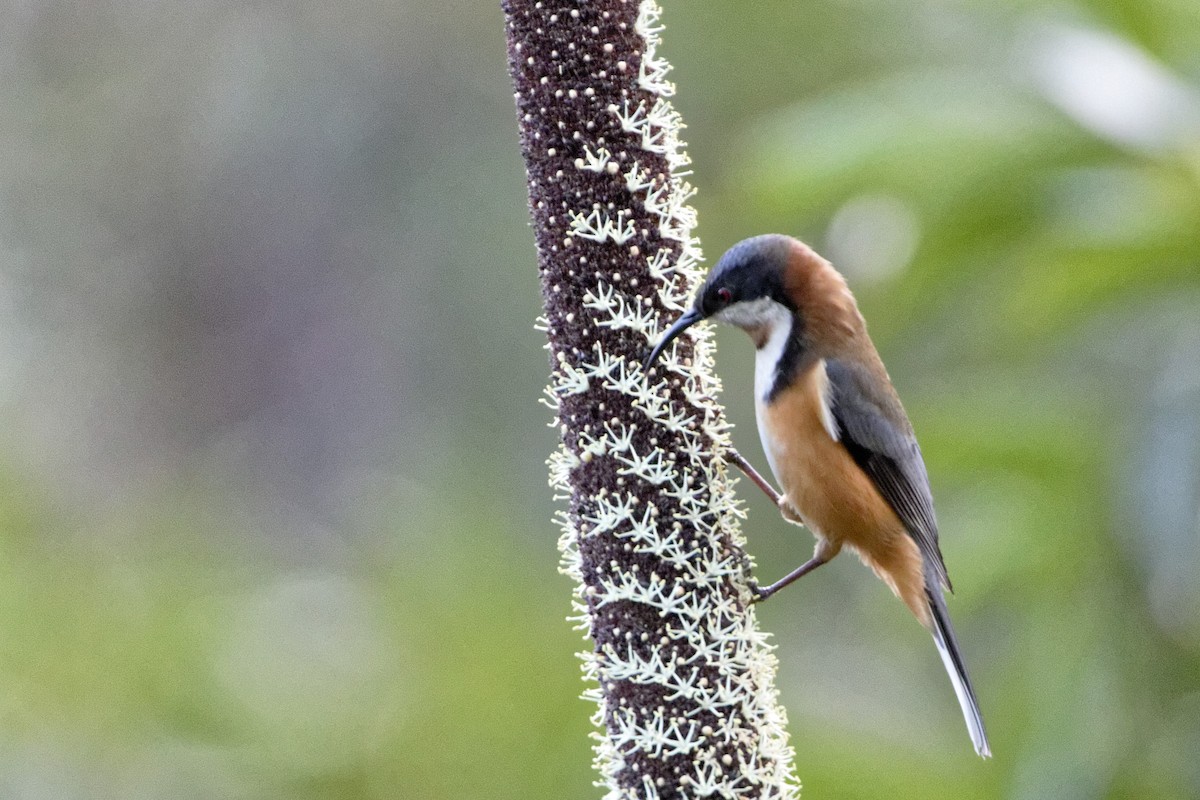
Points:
(826, 489)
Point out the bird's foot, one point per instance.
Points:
(759, 593)
(789, 511)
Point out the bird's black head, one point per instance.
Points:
(750, 271)
(744, 286)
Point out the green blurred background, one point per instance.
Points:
(275, 521)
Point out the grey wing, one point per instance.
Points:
(877, 433)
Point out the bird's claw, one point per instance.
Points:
(757, 593)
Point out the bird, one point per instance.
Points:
(834, 432)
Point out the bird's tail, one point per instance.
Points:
(947, 645)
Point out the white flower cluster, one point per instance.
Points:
(710, 658)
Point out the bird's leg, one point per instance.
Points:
(824, 552)
(780, 500)
(755, 478)
(799, 572)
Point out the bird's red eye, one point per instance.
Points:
(724, 294)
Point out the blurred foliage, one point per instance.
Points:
(273, 516)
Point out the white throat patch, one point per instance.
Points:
(752, 313)
(777, 321)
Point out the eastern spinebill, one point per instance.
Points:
(834, 432)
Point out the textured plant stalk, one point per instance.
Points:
(681, 674)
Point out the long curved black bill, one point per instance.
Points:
(690, 318)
